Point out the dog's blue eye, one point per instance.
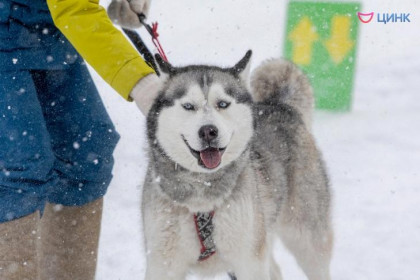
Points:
(188, 106)
(223, 104)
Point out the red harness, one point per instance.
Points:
(204, 227)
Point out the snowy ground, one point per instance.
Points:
(372, 153)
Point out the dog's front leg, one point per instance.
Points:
(168, 257)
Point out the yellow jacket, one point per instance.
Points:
(87, 26)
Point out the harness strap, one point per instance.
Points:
(204, 227)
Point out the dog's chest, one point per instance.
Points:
(238, 228)
(233, 231)
(233, 235)
(175, 233)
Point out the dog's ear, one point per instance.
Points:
(164, 67)
(242, 68)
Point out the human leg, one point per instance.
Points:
(69, 243)
(18, 255)
(83, 139)
(26, 162)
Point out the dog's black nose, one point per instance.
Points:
(208, 132)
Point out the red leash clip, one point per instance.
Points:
(153, 32)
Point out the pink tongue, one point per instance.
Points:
(211, 157)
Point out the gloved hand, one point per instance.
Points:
(125, 12)
(145, 92)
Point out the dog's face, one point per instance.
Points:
(203, 117)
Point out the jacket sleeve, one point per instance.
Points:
(87, 26)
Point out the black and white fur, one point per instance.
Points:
(270, 182)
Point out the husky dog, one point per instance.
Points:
(232, 168)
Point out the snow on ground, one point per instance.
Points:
(372, 152)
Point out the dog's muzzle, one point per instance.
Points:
(209, 158)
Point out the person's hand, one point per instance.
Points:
(145, 92)
(125, 12)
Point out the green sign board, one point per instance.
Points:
(321, 39)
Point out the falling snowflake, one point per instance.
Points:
(57, 207)
(76, 145)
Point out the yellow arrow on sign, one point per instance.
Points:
(339, 43)
(303, 36)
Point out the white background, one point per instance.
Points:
(372, 152)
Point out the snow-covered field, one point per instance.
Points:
(372, 152)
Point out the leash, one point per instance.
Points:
(141, 46)
(153, 32)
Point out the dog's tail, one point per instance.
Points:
(280, 81)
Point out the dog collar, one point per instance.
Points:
(204, 227)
